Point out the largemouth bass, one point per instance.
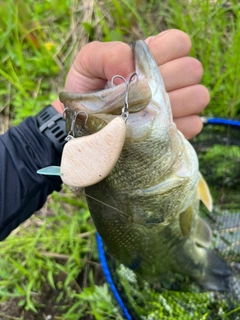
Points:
(147, 209)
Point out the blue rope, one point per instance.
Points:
(109, 279)
(221, 121)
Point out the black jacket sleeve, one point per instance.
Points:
(24, 150)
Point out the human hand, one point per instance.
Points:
(98, 62)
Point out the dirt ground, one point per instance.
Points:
(52, 303)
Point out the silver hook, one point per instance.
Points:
(118, 76)
(132, 76)
(125, 112)
(64, 111)
(76, 115)
(71, 133)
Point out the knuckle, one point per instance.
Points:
(84, 56)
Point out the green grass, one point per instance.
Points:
(38, 42)
(215, 34)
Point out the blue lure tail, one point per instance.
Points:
(50, 171)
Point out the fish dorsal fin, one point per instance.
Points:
(204, 193)
(88, 160)
(202, 234)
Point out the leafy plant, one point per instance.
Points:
(215, 32)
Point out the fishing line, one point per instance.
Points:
(107, 205)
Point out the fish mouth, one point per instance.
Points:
(110, 100)
(146, 97)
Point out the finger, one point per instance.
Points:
(189, 100)
(190, 126)
(169, 45)
(181, 73)
(98, 62)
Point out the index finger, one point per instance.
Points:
(169, 45)
(98, 62)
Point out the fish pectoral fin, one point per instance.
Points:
(202, 234)
(186, 221)
(204, 193)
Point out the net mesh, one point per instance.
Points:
(176, 297)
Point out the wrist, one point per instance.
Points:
(58, 106)
(53, 126)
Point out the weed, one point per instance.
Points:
(215, 32)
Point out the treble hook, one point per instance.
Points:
(64, 111)
(132, 76)
(118, 76)
(125, 112)
(75, 118)
(71, 133)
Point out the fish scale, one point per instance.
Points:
(132, 154)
